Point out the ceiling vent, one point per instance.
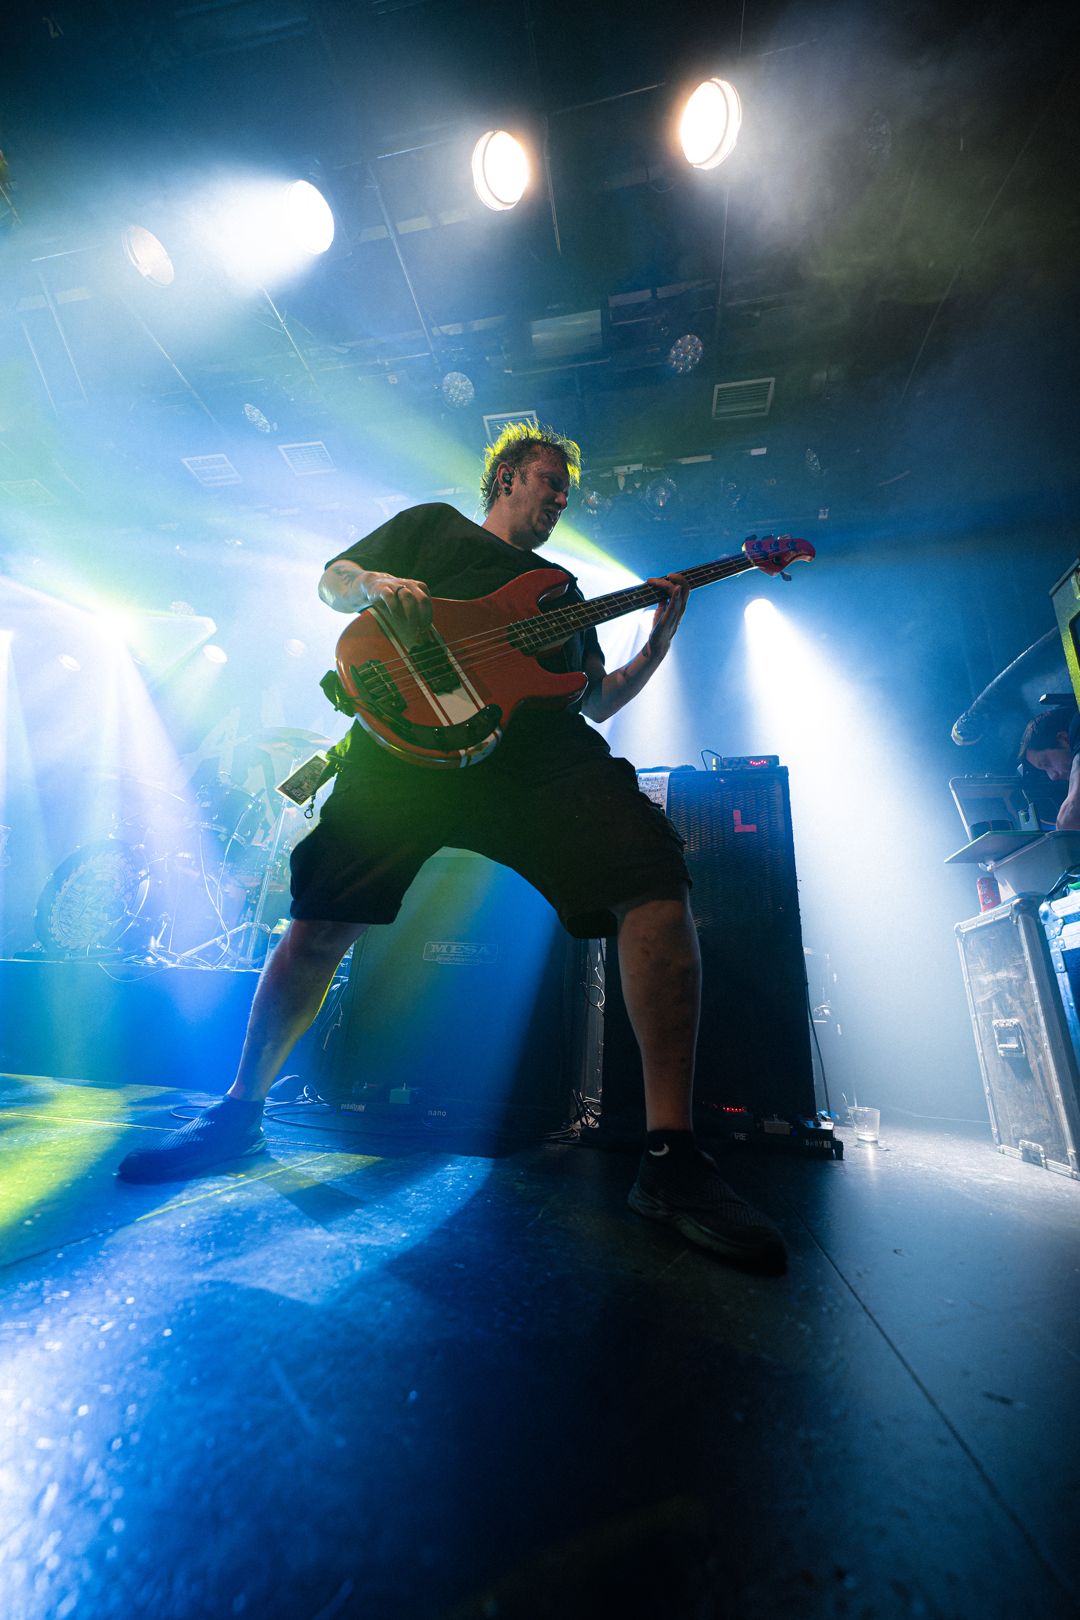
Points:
(493, 425)
(212, 471)
(28, 492)
(307, 459)
(736, 401)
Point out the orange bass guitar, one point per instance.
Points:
(447, 700)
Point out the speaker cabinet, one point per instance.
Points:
(753, 1050)
(456, 1014)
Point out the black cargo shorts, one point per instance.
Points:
(573, 824)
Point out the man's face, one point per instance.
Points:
(538, 497)
(1056, 762)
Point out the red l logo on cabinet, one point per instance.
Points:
(741, 825)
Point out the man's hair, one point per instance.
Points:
(1042, 731)
(517, 445)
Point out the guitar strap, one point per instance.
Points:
(336, 694)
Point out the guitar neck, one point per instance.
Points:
(544, 629)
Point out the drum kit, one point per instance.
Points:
(198, 878)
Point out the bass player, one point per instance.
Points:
(551, 802)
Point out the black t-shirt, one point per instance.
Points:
(457, 559)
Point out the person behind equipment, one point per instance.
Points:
(1051, 744)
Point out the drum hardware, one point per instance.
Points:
(260, 928)
(229, 958)
(171, 870)
(297, 791)
(138, 808)
(244, 943)
(121, 899)
(213, 887)
(152, 793)
(256, 763)
(286, 742)
(228, 811)
(260, 870)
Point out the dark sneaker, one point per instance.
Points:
(685, 1190)
(229, 1129)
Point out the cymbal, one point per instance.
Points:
(284, 737)
(136, 784)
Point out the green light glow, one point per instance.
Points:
(47, 1163)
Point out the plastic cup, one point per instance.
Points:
(867, 1123)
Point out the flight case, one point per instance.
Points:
(1028, 1062)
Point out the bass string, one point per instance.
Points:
(410, 676)
(484, 651)
(555, 624)
(498, 640)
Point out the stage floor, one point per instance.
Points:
(423, 1383)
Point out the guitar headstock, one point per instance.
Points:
(772, 553)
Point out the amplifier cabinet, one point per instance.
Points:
(1029, 1068)
(753, 1050)
(457, 1013)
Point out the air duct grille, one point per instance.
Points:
(493, 425)
(733, 401)
(307, 459)
(212, 471)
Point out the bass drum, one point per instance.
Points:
(107, 896)
(233, 816)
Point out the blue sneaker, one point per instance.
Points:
(229, 1129)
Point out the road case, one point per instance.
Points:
(1029, 1066)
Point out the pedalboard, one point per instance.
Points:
(810, 1137)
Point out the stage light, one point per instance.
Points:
(309, 220)
(660, 494)
(685, 353)
(264, 230)
(710, 124)
(148, 255)
(121, 628)
(260, 422)
(500, 169)
(458, 390)
(759, 614)
(215, 654)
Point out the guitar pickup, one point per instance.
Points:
(433, 664)
(377, 689)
